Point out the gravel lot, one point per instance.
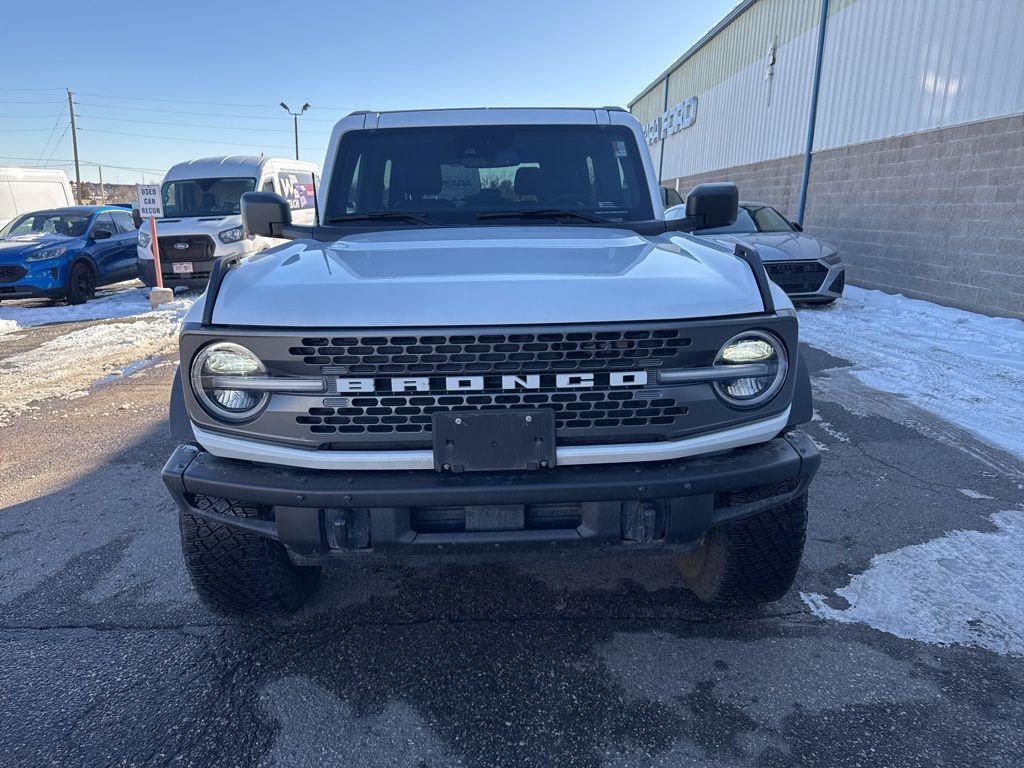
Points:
(107, 658)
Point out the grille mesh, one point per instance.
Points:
(11, 273)
(200, 248)
(410, 414)
(493, 353)
(797, 277)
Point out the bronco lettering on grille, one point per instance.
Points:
(504, 383)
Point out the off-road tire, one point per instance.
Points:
(749, 561)
(237, 573)
(81, 283)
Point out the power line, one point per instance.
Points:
(31, 89)
(185, 125)
(47, 101)
(179, 138)
(185, 112)
(174, 101)
(23, 117)
(68, 161)
(66, 127)
(55, 124)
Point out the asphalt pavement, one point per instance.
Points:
(108, 659)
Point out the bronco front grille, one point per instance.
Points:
(493, 352)
(11, 273)
(797, 276)
(410, 414)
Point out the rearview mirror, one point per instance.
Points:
(713, 205)
(101, 234)
(265, 213)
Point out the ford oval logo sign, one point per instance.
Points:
(181, 246)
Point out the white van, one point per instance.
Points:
(202, 216)
(23, 190)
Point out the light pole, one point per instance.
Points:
(295, 118)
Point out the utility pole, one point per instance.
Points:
(74, 144)
(103, 195)
(295, 118)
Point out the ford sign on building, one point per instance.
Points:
(892, 130)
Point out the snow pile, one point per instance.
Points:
(115, 301)
(964, 588)
(66, 366)
(965, 368)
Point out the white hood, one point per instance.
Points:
(485, 276)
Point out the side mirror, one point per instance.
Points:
(136, 218)
(101, 234)
(796, 227)
(713, 205)
(266, 214)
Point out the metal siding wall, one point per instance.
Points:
(894, 67)
(741, 117)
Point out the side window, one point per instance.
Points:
(268, 185)
(297, 188)
(124, 222)
(104, 221)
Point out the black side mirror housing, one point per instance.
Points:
(714, 205)
(266, 214)
(796, 227)
(101, 234)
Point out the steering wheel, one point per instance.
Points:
(570, 199)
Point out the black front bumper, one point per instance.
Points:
(322, 515)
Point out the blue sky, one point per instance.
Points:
(158, 83)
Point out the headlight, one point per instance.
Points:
(232, 235)
(215, 369)
(144, 238)
(761, 364)
(49, 253)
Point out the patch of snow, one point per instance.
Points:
(67, 366)
(963, 588)
(973, 494)
(115, 301)
(964, 367)
(828, 429)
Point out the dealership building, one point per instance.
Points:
(893, 129)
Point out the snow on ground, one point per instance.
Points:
(964, 367)
(119, 300)
(67, 365)
(964, 588)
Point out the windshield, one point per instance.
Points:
(48, 223)
(752, 218)
(450, 175)
(205, 197)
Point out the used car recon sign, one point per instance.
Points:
(479, 383)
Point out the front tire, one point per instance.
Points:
(750, 561)
(237, 573)
(81, 283)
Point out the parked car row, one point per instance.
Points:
(50, 249)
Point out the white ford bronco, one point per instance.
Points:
(489, 341)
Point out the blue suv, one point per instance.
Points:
(64, 253)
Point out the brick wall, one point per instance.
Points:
(937, 215)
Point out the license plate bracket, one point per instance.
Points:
(182, 267)
(477, 441)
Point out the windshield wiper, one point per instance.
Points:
(383, 215)
(540, 213)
